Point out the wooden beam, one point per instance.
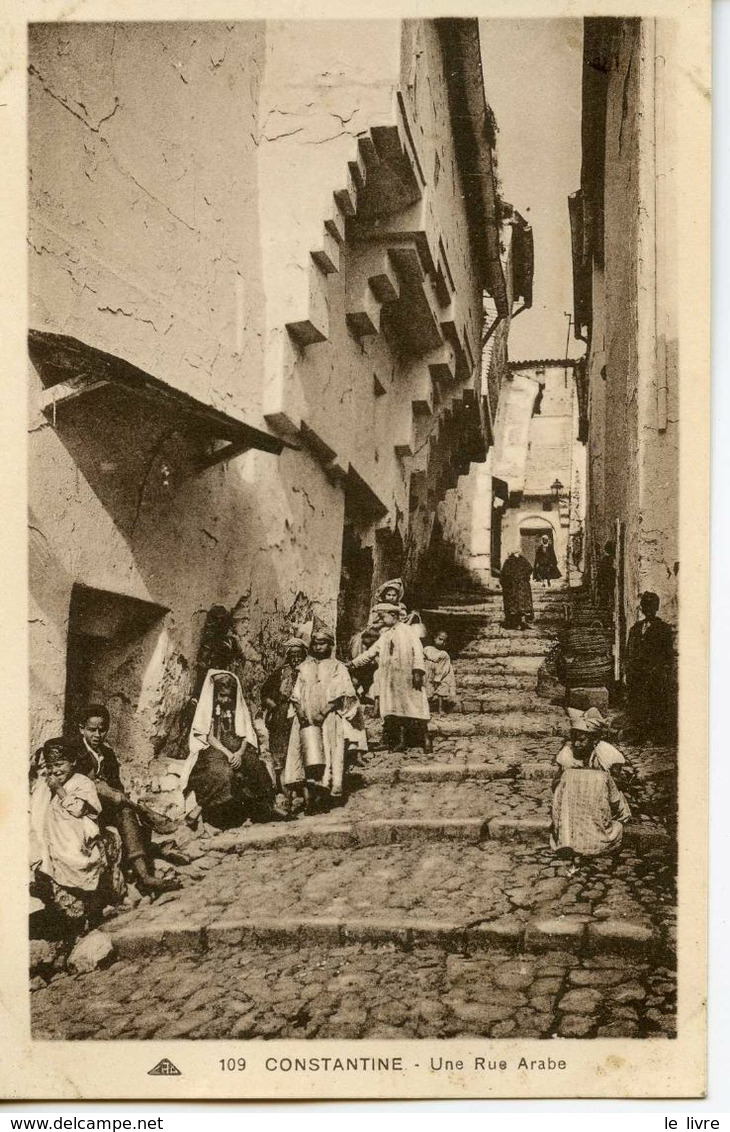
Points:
(67, 391)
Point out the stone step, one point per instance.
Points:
(478, 700)
(515, 646)
(471, 673)
(540, 596)
(455, 617)
(509, 665)
(454, 893)
(498, 723)
(358, 990)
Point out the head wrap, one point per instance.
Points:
(394, 584)
(203, 718)
(589, 721)
(323, 633)
(294, 643)
(386, 607)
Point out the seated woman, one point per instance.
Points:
(589, 811)
(231, 783)
(276, 692)
(76, 863)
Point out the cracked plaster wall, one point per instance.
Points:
(634, 434)
(144, 199)
(333, 87)
(148, 240)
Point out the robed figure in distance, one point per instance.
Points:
(546, 563)
(516, 592)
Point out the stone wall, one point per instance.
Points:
(200, 208)
(633, 439)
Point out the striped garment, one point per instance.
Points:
(588, 812)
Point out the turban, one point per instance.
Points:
(323, 633)
(294, 643)
(386, 607)
(590, 720)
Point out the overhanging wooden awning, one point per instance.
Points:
(72, 371)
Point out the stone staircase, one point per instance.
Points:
(442, 858)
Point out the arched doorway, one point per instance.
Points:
(532, 528)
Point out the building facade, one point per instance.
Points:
(624, 256)
(259, 254)
(534, 480)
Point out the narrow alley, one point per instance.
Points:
(430, 906)
(353, 530)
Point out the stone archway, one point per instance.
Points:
(531, 529)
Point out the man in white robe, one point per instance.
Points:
(401, 680)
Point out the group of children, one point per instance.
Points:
(89, 837)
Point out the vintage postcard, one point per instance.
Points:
(357, 387)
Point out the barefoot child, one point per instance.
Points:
(440, 678)
(77, 866)
(403, 705)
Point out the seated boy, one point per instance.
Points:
(99, 763)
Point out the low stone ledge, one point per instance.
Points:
(182, 938)
(233, 932)
(321, 931)
(375, 832)
(436, 933)
(518, 829)
(375, 931)
(144, 939)
(537, 769)
(435, 772)
(279, 933)
(327, 837)
(565, 933)
(505, 932)
(622, 936)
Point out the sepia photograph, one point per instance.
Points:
(353, 481)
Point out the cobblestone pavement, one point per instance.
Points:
(415, 858)
(359, 991)
(449, 881)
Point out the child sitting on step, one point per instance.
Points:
(588, 810)
(440, 678)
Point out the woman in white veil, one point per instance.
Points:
(230, 781)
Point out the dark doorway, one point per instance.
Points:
(103, 629)
(500, 502)
(362, 511)
(353, 602)
(529, 538)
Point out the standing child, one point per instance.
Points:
(403, 704)
(325, 712)
(276, 693)
(77, 867)
(440, 678)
